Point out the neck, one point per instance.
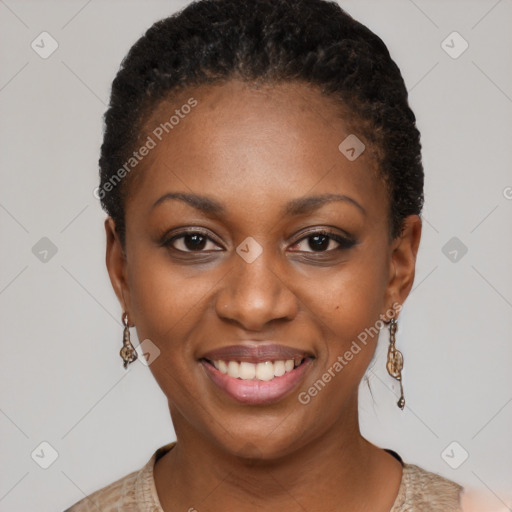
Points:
(339, 468)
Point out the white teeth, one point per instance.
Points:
(233, 369)
(264, 371)
(279, 368)
(247, 371)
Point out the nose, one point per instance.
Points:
(255, 294)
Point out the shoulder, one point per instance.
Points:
(119, 495)
(132, 493)
(426, 491)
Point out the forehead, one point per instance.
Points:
(271, 142)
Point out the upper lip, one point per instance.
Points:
(256, 353)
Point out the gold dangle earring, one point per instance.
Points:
(395, 362)
(128, 352)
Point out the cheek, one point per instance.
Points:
(348, 322)
(168, 307)
(348, 304)
(353, 295)
(166, 302)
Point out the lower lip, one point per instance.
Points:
(257, 391)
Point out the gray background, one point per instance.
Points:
(61, 375)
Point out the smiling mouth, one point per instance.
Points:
(263, 371)
(257, 382)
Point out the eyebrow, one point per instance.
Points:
(205, 204)
(309, 204)
(299, 206)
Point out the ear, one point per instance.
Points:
(116, 265)
(403, 261)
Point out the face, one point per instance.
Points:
(256, 254)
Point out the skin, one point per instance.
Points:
(253, 151)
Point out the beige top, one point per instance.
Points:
(419, 490)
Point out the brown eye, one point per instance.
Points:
(319, 242)
(323, 242)
(192, 242)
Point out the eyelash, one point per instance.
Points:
(168, 241)
(344, 242)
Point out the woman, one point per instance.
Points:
(262, 174)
